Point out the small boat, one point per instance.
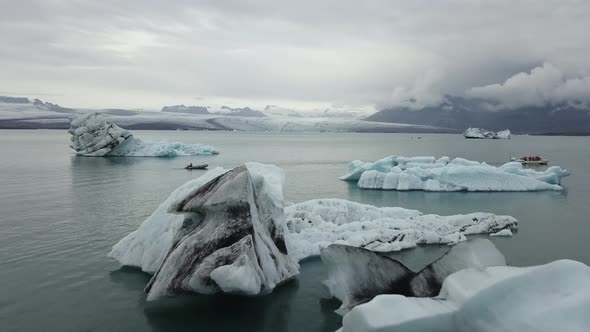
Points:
(531, 160)
(203, 166)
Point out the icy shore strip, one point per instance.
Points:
(444, 174)
(94, 136)
(212, 210)
(483, 133)
(545, 298)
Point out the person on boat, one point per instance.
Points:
(190, 165)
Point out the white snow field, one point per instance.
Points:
(444, 174)
(29, 115)
(163, 242)
(545, 298)
(483, 133)
(94, 136)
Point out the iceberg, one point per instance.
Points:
(357, 275)
(315, 224)
(503, 134)
(483, 133)
(94, 136)
(223, 232)
(444, 174)
(545, 298)
(230, 231)
(137, 148)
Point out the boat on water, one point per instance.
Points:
(191, 166)
(531, 160)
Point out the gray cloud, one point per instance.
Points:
(543, 85)
(149, 53)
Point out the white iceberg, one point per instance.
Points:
(223, 232)
(483, 133)
(94, 136)
(546, 298)
(503, 134)
(357, 275)
(443, 174)
(316, 224)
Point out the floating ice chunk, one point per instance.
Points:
(94, 136)
(482, 133)
(357, 167)
(428, 174)
(315, 224)
(546, 298)
(503, 134)
(504, 232)
(357, 275)
(137, 148)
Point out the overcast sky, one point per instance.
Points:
(146, 54)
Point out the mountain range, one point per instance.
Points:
(459, 113)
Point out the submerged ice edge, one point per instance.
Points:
(443, 174)
(357, 275)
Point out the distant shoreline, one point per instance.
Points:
(64, 124)
(586, 133)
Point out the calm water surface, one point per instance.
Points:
(60, 215)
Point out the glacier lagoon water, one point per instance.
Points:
(60, 215)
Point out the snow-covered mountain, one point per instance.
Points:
(22, 113)
(331, 112)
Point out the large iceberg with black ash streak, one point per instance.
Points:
(444, 174)
(545, 298)
(94, 136)
(357, 275)
(220, 233)
(482, 133)
(204, 239)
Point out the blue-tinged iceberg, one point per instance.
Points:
(545, 298)
(444, 174)
(94, 136)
